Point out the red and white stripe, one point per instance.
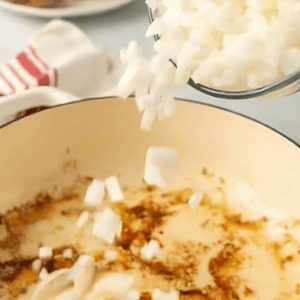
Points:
(27, 69)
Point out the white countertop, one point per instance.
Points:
(115, 29)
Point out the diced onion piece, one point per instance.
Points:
(107, 226)
(150, 250)
(113, 285)
(142, 97)
(154, 176)
(114, 190)
(83, 273)
(159, 295)
(254, 80)
(46, 252)
(83, 218)
(51, 284)
(110, 255)
(195, 199)
(68, 253)
(43, 274)
(164, 157)
(95, 192)
(36, 266)
(158, 158)
(133, 295)
(128, 83)
(148, 118)
(169, 104)
(291, 60)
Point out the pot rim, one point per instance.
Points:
(178, 99)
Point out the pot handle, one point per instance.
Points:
(22, 104)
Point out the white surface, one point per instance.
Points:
(76, 8)
(115, 29)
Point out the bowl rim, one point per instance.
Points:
(45, 108)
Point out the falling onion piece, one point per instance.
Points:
(114, 190)
(107, 226)
(150, 250)
(95, 192)
(158, 159)
(195, 199)
(148, 118)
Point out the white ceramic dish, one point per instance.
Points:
(77, 8)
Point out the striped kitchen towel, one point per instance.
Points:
(27, 69)
(59, 55)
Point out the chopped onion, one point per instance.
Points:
(228, 45)
(95, 192)
(107, 226)
(46, 252)
(291, 60)
(68, 253)
(195, 199)
(150, 250)
(82, 274)
(159, 295)
(110, 255)
(158, 159)
(133, 295)
(36, 266)
(82, 219)
(43, 274)
(148, 118)
(114, 189)
(52, 284)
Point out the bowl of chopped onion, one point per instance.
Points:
(228, 49)
(94, 208)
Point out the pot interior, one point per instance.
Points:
(104, 137)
